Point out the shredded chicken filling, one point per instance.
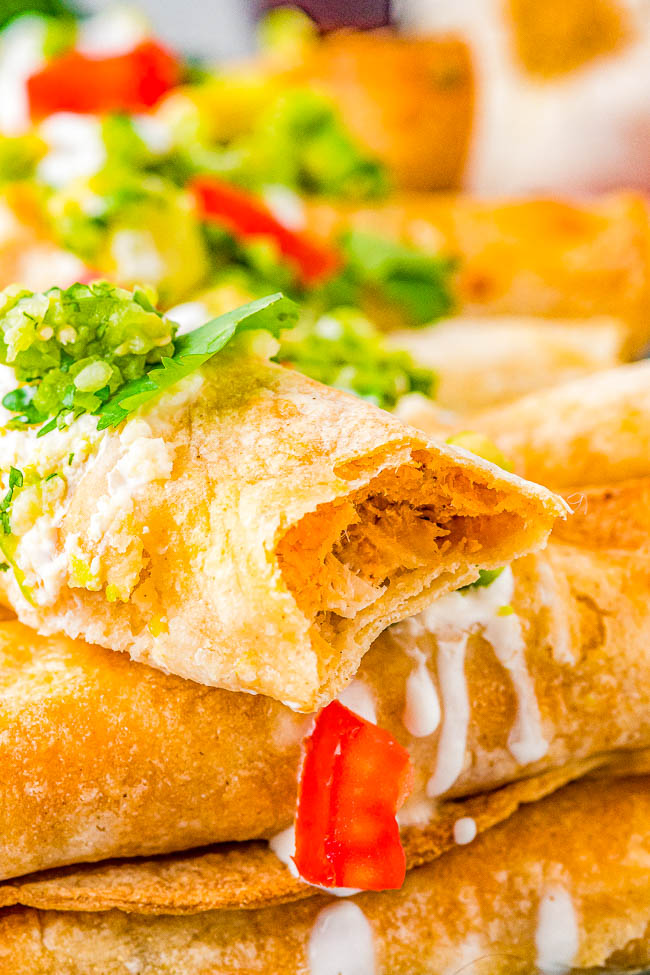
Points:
(340, 558)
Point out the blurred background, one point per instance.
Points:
(561, 88)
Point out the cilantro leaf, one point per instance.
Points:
(16, 480)
(272, 313)
(21, 401)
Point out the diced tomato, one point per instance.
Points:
(354, 778)
(131, 82)
(246, 216)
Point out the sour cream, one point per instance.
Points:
(341, 942)
(556, 938)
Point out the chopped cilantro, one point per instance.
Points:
(345, 350)
(4, 567)
(70, 459)
(485, 578)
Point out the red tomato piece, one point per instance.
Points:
(131, 82)
(354, 778)
(246, 216)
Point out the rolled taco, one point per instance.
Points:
(481, 363)
(593, 430)
(549, 258)
(226, 519)
(415, 114)
(561, 886)
(542, 672)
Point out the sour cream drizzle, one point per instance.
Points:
(451, 620)
(556, 938)
(284, 846)
(358, 697)
(453, 739)
(341, 942)
(559, 632)
(464, 830)
(422, 708)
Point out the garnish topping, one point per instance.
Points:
(419, 283)
(101, 350)
(245, 215)
(130, 82)
(485, 578)
(345, 350)
(273, 314)
(354, 778)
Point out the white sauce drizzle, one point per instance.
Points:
(526, 740)
(341, 942)
(416, 811)
(358, 697)
(284, 846)
(422, 708)
(453, 739)
(556, 938)
(451, 620)
(464, 830)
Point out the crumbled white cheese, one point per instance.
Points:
(76, 148)
(145, 459)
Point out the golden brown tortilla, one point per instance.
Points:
(594, 430)
(476, 908)
(484, 362)
(249, 875)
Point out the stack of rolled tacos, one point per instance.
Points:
(289, 683)
(249, 550)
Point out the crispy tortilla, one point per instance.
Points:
(107, 758)
(480, 906)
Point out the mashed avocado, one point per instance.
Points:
(72, 349)
(345, 350)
